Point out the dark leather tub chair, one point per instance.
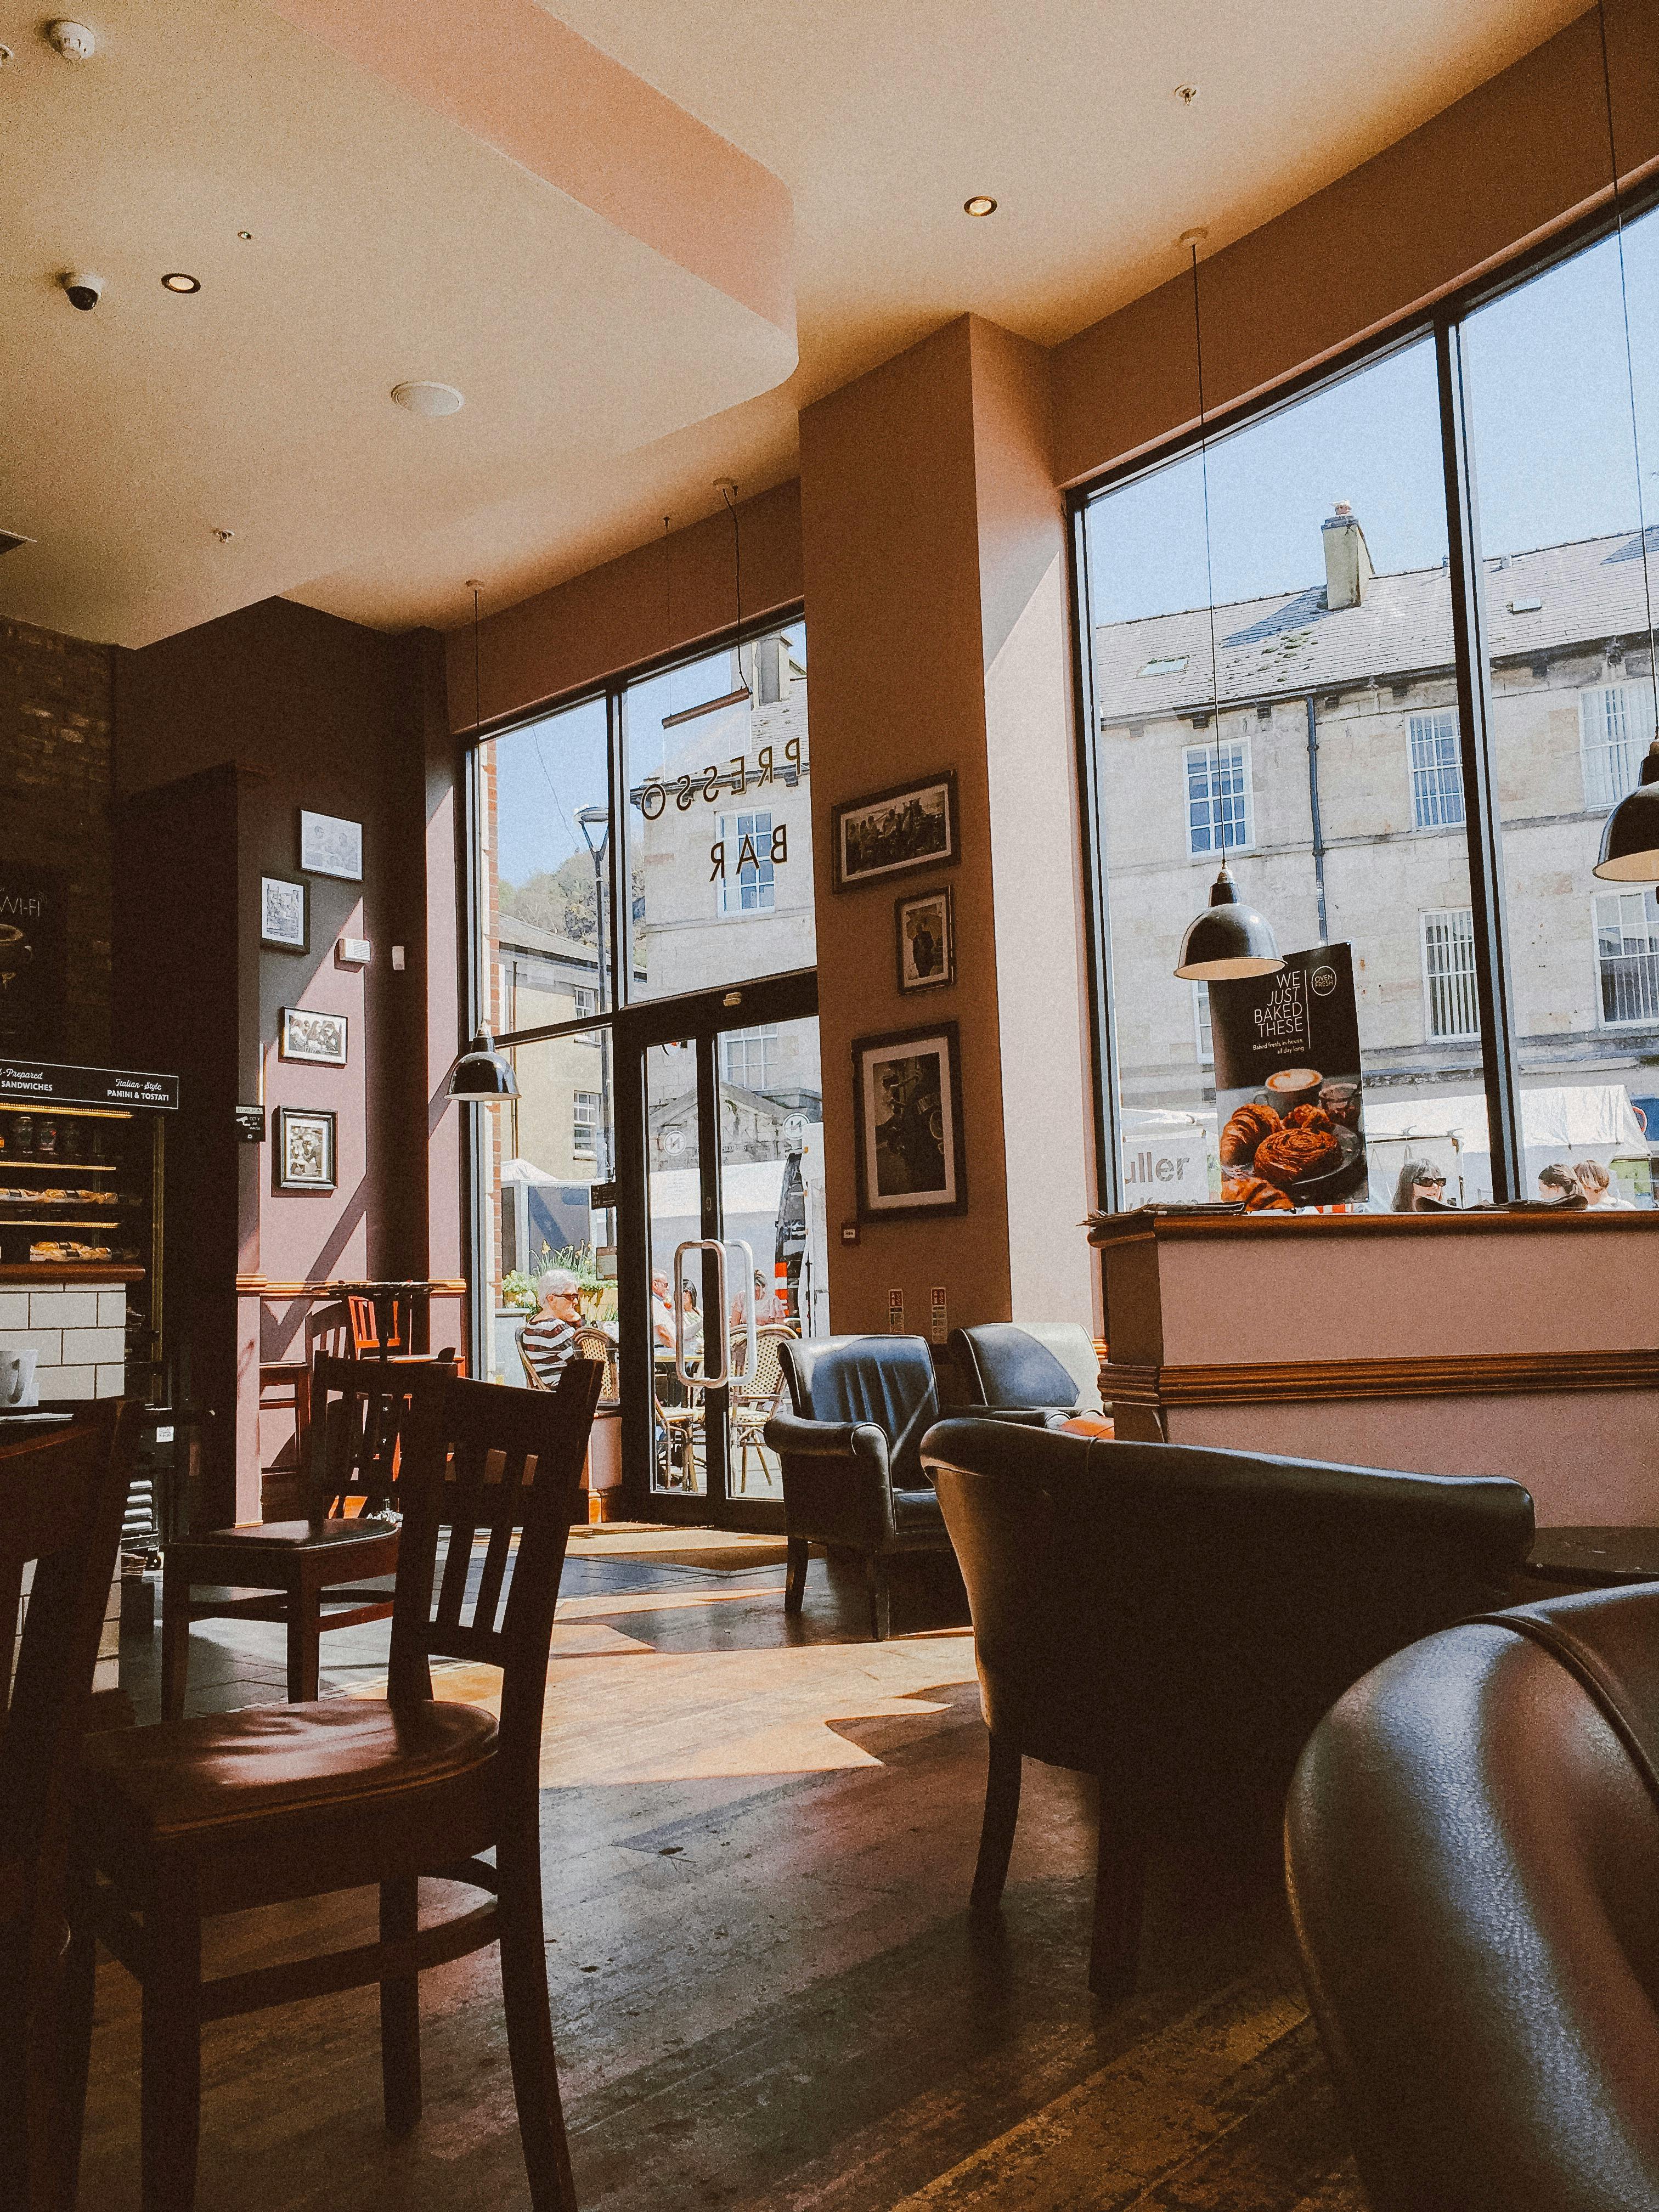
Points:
(1030, 1369)
(849, 1444)
(1473, 1850)
(1177, 1621)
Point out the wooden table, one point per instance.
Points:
(1597, 1559)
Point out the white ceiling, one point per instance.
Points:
(879, 119)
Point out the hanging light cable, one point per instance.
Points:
(1229, 939)
(728, 491)
(1630, 836)
(481, 1074)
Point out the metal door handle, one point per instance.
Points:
(708, 1378)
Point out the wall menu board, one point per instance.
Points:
(1288, 1088)
(38, 1082)
(33, 942)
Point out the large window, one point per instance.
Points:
(1313, 726)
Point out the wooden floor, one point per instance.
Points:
(757, 1838)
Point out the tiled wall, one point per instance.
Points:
(79, 1336)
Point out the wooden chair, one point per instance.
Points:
(61, 1501)
(757, 1395)
(357, 1412)
(198, 1818)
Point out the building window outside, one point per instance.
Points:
(1449, 982)
(1610, 741)
(748, 884)
(586, 996)
(747, 1056)
(1217, 798)
(585, 1114)
(1436, 771)
(1627, 955)
(1202, 1025)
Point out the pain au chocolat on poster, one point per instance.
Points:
(1288, 1088)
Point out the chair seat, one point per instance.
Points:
(267, 1760)
(917, 1509)
(291, 1535)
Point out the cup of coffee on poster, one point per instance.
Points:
(1288, 1086)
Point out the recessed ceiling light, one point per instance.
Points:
(980, 203)
(422, 399)
(177, 281)
(244, 235)
(1186, 94)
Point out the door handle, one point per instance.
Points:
(736, 1244)
(709, 1378)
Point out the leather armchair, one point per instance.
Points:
(1176, 1620)
(848, 1444)
(1030, 1372)
(1472, 1851)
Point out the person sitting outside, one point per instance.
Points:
(1559, 1185)
(1421, 1189)
(662, 1315)
(769, 1307)
(549, 1337)
(1600, 1189)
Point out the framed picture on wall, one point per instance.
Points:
(282, 913)
(912, 827)
(306, 1035)
(305, 1149)
(908, 1121)
(925, 932)
(331, 846)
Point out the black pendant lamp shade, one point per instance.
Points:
(1630, 836)
(482, 1074)
(1228, 940)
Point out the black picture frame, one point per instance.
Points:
(910, 976)
(892, 847)
(297, 1035)
(905, 1176)
(286, 1150)
(303, 943)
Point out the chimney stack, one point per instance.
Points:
(1348, 563)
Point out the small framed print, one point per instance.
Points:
(908, 1122)
(331, 846)
(282, 913)
(925, 929)
(305, 1149)
(307, 1035)
(912, 827)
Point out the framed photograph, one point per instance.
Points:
(925, 930)
(331, 846)
(306, 1035)
(908, 1116)
(282, 913)
(913, 827)
(305, 1149)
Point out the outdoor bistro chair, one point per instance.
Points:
(183, 1822)
(1175, 1621)
(757, 1396)
(61, 1501)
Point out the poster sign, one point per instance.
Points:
(34, 936)
(1288, 1088)
(41, 1083)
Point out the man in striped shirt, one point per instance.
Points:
(549, 1338)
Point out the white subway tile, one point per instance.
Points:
(13, 1308)
(69, 1382)
(62, 1308)
(46, 1343)
(93, 1344)
(111, 1308)
(111, 1380)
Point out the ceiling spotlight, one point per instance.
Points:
(244, 235)
(429, 399)
(224, 537)
(177, 281)
(1186, 94)
(980, 203)
(73, 41)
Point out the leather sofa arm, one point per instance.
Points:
(1019, 1417)
(859, 1440)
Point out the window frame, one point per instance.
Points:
(1623, 685)
(1215, 850)
(1613, 896)
(1446, 913)
(1415, 715)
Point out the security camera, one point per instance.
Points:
(84, 292)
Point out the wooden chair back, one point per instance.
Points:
(531, 1375)
(358, 1412)
(61, 1502)
(483, 1457)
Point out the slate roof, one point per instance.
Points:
(1292, 642)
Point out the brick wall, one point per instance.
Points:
(56, 724)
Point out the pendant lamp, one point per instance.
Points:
(1229, 939)
(481, 1074)
(1630, 836)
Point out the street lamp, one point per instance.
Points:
(590, 818)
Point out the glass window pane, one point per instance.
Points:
(1572, 681)
(719, 818)
(679, 1289)
(1331, 782)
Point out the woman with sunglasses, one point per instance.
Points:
(1421, 1189)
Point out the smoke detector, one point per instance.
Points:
(73, 41)
(429, 399)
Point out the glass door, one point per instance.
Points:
(724, 1180)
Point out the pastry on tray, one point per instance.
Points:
(1294, 1155)
(1254, 1195)
(1310, 1117)
(1246, 1127)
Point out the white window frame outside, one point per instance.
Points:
(759, 894)
(746, 1056)
(1612, 740)
(1436, 775)
(1638, 968)
(1203, 1028)
(1235, 754)
(585, 1124)
(586, 998)
(1448, 988)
